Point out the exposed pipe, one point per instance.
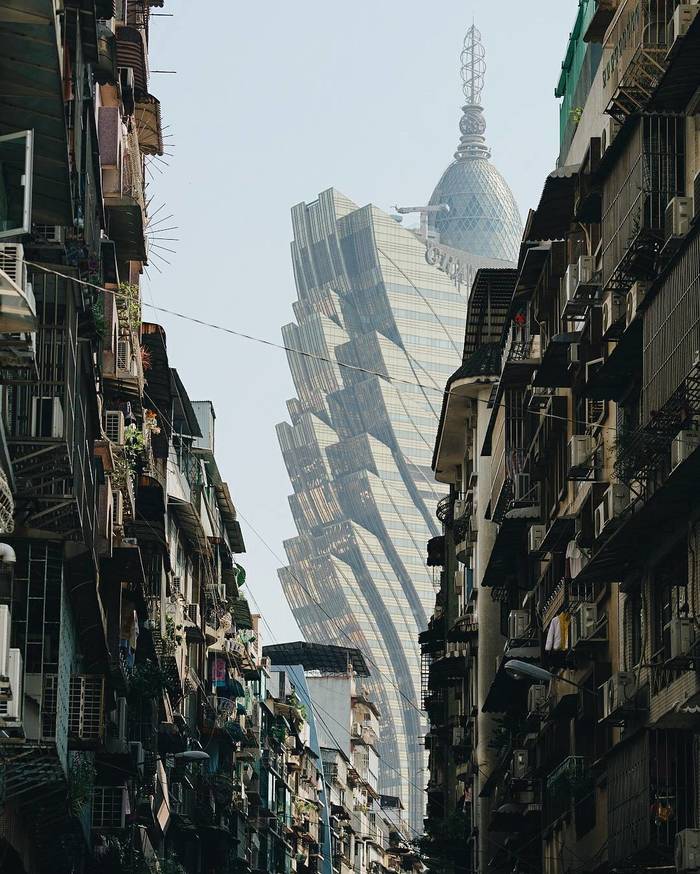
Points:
(7, 554)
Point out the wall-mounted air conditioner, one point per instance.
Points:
(535, 536)
(682, 636)
(114, 426)
(193, 614)
(683, 17)
(583, 623)
(121, 714)
(137, 755)
(683, 444)
(614, 309)
(124, 356)
(536, 698)
(518, 624)
(117, 509)
(615, 500)
(610, 130)
(618, 693)
(635, 298)
(47, 417)
(574, 354)
(520, 764)
(581, 455)
(687, 850)
(54, 234)
(5, 626)
(11, 709)
(524, 489)
(679, 214)
(586, 270)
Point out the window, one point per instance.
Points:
(670, 593)
(16, 151)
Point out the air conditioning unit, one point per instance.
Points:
(614, 309)
(12, 262)
(684, 443)
(121, 714)
(682, 633)
(683, 17)
(520, 764)
(581, 452)
(193, 614)
(574, 354)
(137, 755)
(518, 624)
(586, 269)
(50, 233)
(536, 697)
(221, 591)
(610, 130)
(615, 500)
(47, 417)
(635, 297)
(114, 426)
(11, 708)
(583, 623)
(117, 509)
(679, 214)
(535, 536)
(176, 585)
(523, 488)
(569, 283)
(687, 850)
(124, 355)
(5, 626)
(459, 509)
(618, 693)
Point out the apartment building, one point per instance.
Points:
(559, 666)
(362, 831)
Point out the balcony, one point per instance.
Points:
(125, 203)
(651, 797)
(639, 42)
(649, 171)
(521, 355)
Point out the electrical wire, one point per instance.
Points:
(301, 352)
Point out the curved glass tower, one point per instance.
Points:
(390, 303)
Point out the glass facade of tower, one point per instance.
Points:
(358, 450)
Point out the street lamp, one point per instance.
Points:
(519, 670)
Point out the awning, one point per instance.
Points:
(149, 125)
(503, 561)
(32, 99)
(191, 524)
(555, 212)
(613, 377)
(131, 52)
(629, 546)
(558, 534)
(87, 606)
(680, 81)
(507, 693)
(553, 370)
(240, 611)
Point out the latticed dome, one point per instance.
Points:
(483, 217)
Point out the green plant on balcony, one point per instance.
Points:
(128, 302)
(173, 636)
(147, 680)
(81, 778)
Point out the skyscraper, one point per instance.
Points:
(389, 303)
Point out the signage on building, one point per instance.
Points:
(459, 273)
(623, 41)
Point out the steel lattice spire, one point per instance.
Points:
(473, 60)
(472, 125)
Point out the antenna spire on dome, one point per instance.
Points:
(472, 125)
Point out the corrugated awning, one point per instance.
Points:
(149, 125)
(131, 52)
(555, 211)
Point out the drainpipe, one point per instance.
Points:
(7, 554)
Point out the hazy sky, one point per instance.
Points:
(270, 104)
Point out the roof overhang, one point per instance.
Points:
(555, 211)
(450, 442)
